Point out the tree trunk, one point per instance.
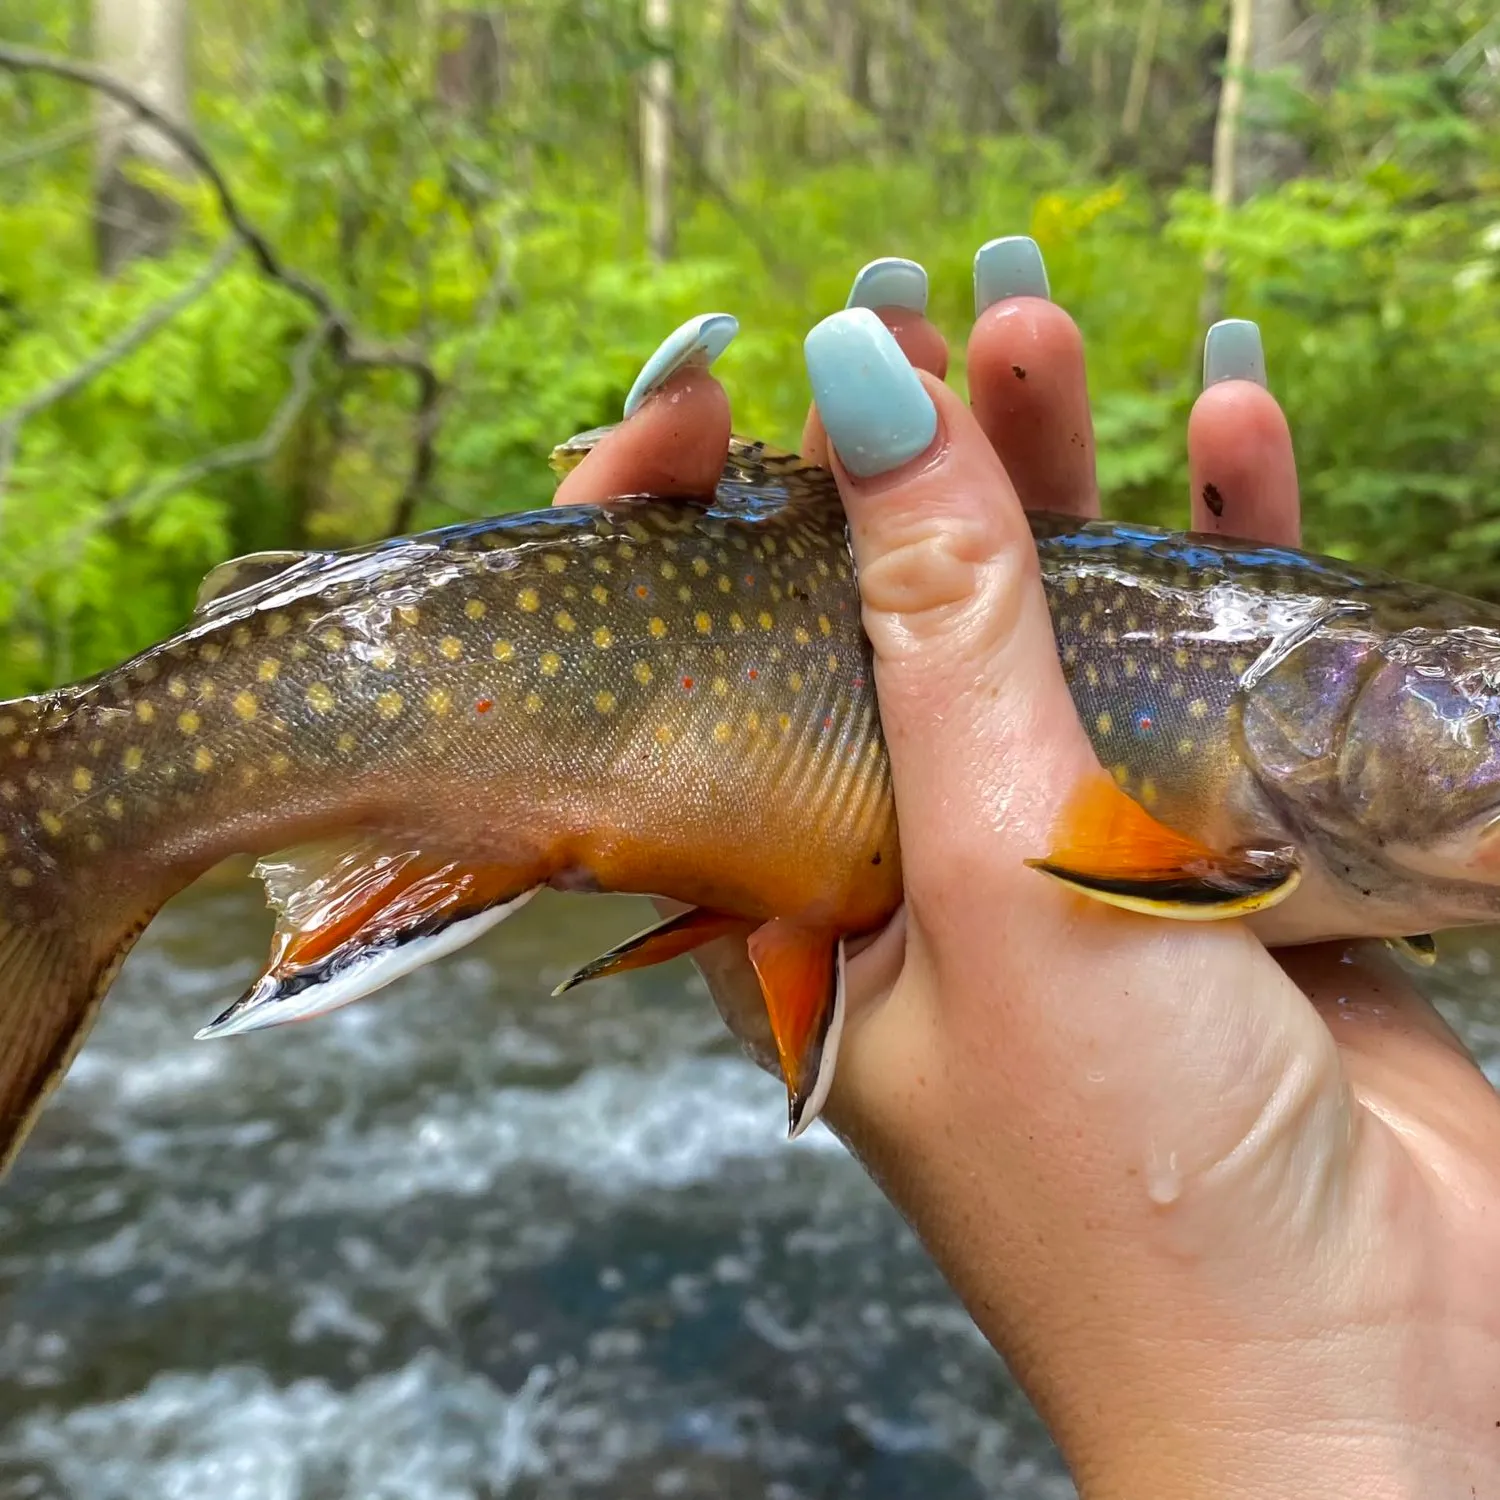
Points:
(1226, 149)
(471, 62)
(144, 43)
(1267, 156)
(656, 133)
(1140, 70)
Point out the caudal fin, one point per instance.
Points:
(50, 988)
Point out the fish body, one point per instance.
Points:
(678, 699)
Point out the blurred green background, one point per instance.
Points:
(530, 196)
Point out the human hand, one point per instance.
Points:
(1232, 1224)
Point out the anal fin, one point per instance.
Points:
(1420, 948)
(802, 976)
(667, 940)
(353, 917)
(1110, 848)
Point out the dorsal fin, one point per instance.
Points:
(223, 586)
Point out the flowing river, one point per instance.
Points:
(465, 1242)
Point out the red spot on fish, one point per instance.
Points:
(828, 721)
(687, 684)
(1144, 723)
(750, 579)
(484, 705)
(859, 682)
(751, 673)
(641, 591)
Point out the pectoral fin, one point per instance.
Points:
(656, 945)
(801, 972)
(1110, 848)
(1420, 948)
(353, 916)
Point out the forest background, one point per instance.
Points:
(460, 231)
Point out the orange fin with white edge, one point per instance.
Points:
(1110, 848)
(665, 941)
(353, 916)
(801, 972)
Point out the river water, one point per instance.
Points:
(464, 1242)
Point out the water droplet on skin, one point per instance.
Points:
(1096, 1077)
(1164, 1181)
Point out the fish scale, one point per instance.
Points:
(677, 698)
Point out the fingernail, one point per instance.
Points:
(890, 282)
(1233, 351)
(700, 341)
(873, 405)
(1009, 267)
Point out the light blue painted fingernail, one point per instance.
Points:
(1233, 351)
(700, 341)
(890, 282)
(877, 414)
(1009, 267)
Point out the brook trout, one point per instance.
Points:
(676, 699)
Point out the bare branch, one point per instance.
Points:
(237, 456)
(341, 336)
(150, 322)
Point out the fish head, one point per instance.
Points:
(1418, 763)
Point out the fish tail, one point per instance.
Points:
(66, 923)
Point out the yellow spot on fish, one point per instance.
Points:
(298, 651)
(1175, 691)
(240, 635)
(801, 636)
(383, 658)
(833, 662)
(1105, 723)
(206, 689)
(83, 779)
(668, 570)
(604, 638)
(177, 687)
(684, 595)
(1148, 792)
(702, 622)
(794, 681)
(277, 625)
(529, 600)
(92, 842)
(332, 638)
(665, 734)
(210, 652)
(602, 565)
(752, 721)
(502, 650)
(408, 614)
(700, 566)
(320, 697)
(721, 733)
(554, 563)
(114, 808)
(533, 704)
(657, 626)
(20, 877)
(474, 608)
(1121, 774)
(279, 764)
(784, 722)
(269, 669)
(1198, 708)
(550, 663)
(1239, 665)
(451, 647)
(626, 551)
(1070, 655)
(564, 621)
(1155, 673)
(825, 625)
(1091, 673)
(388, 705)
(246, 705)
(1206, 662)
(50, 821)
(188, 721)
(724, 584)
(736, 624)
(133, 758)
(439, 701)
(8, 790)
(145, 712)
(1180, 657)
(7, 727)
(642, 673)
(764, 620)
(599, 594)
(203, 759)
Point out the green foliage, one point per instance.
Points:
(506, 240)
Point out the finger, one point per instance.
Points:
(675, 435)
(1027, 383)
(896, 291)
(1244, 474)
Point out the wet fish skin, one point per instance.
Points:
(678, 699)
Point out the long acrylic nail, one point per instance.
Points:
(1009, 267)
(890, 282)
(872, 402)
(1233, 350)
(700, 341)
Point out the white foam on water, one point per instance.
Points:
(427, 1431)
